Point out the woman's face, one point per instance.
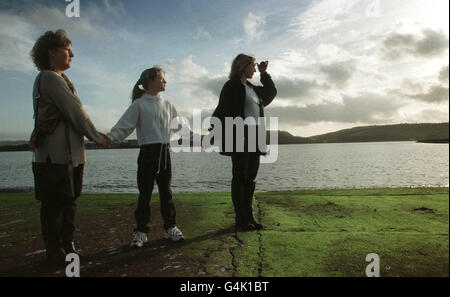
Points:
(61, 58)
(249, 70)
(158, 84)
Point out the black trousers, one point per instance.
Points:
(58, 214)
(154, 164)
(245, 169)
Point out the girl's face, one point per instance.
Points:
(249, 70)
(61, 57)
(158, 84)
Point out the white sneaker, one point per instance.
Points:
(139, 238)
(174, 234)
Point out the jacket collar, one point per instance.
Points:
(238, 80)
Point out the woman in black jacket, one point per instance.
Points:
(240, 99)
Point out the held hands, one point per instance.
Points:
(106, 141)
(262, 67)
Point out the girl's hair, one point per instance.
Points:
(238, 65)
(50, 40)
(146, 76)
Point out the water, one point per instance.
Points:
(307, 166)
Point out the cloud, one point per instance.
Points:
(431, 115)
(202, 34)
(52, 18)
(104, 118)
(214, 84)
(107, 87)
(127, 36)
(339, 73)
(322, 16)
(431, 43)
(331, 53)
(117, 9)
(87, 26)
(443, 75)
(19, 30)
(290, 88)
(365, 108)
(189, 98)
(252, 24)
(419, 91)
(291, 62)
(435, 94)
(185, 71)
(434, 43)
(412, 86)
(194, 86)
(16, 37)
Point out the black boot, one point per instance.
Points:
(258, 226)
(249, 191)
(56, 257)
(245, 227)
(242, 222)
(241, 219)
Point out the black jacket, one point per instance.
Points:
(232, 103)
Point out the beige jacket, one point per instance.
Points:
(55, 91)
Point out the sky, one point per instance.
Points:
(336, 64)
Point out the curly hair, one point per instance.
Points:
(50, 40)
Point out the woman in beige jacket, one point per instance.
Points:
(58, 143)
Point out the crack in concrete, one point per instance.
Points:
(233, 256)
(240, 244)
(233, 262)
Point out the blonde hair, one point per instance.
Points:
(239, 64)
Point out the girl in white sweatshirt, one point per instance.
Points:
(151, 116)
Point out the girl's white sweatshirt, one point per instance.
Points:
(151, 117)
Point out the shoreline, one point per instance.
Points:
(30, 190)
(122, 146)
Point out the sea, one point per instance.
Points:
(297, 167)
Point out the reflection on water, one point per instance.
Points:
(308, 166)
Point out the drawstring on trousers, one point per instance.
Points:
(165, 157)
(165, 163)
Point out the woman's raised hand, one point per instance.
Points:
(262, 67)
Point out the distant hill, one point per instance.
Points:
(400, 132)
(436, 133)
(287, 138)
